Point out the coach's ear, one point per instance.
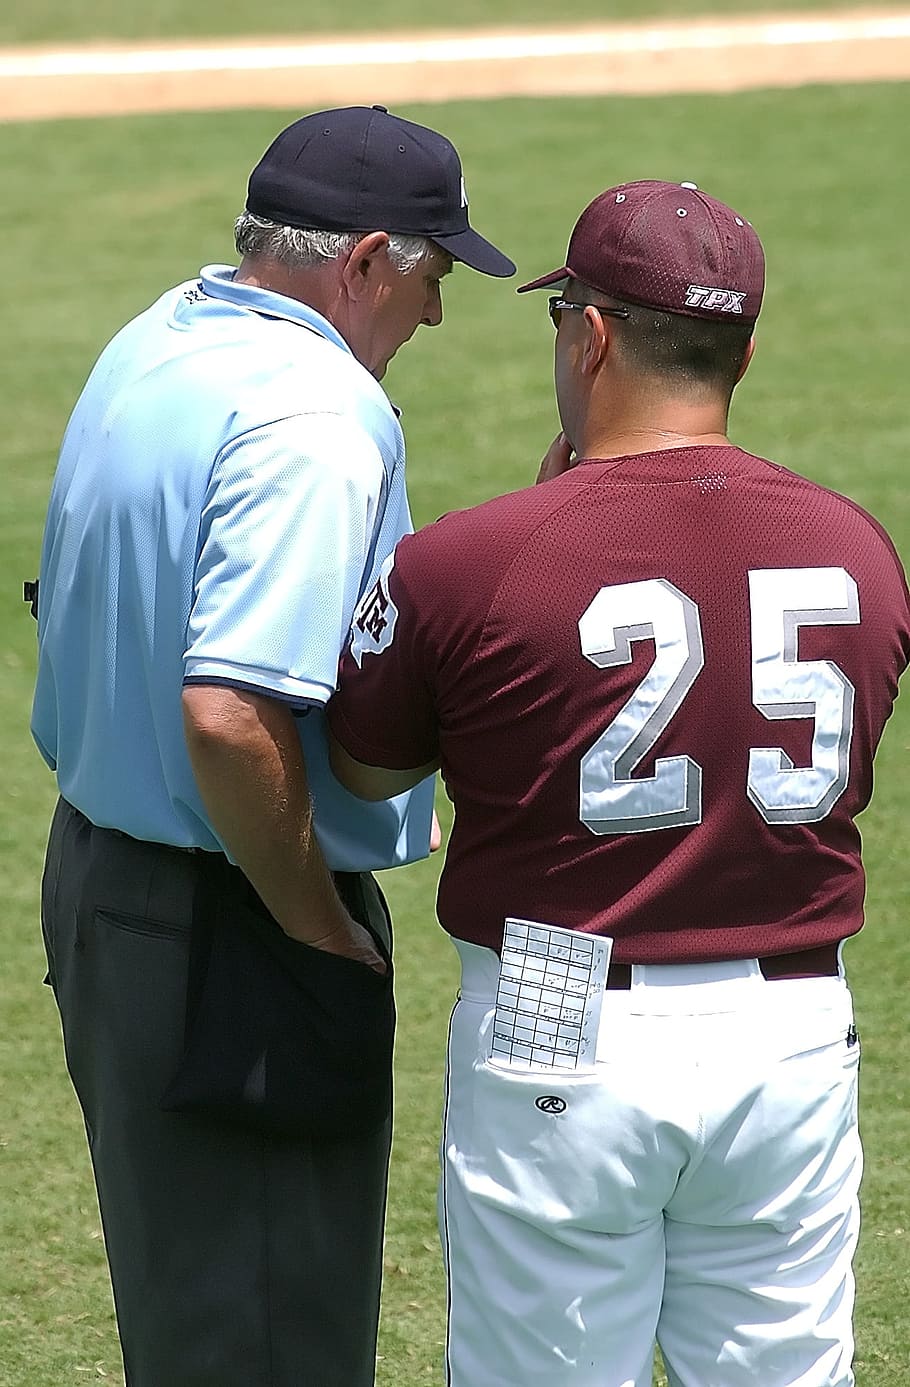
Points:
(597, 342)
(747, 357)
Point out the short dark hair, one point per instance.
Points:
(690, 351)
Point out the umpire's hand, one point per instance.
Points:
(351, 940)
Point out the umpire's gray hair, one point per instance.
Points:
(303, 249)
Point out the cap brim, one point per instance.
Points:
(473, 250)
(554, 277)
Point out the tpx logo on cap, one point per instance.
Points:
(714, 300)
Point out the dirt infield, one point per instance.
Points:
(698, 55)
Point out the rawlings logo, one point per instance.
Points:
(716, 300)
(550, 1103)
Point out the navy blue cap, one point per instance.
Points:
(362, 169)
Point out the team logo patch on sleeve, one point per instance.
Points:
(375, 618)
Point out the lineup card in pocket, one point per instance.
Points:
(551, 984)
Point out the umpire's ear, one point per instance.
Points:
(747, 357)
(355, 268)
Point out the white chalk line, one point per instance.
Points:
(474, 48)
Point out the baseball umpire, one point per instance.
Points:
(655, 684)
(230, 482)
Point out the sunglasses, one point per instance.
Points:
(556, 305)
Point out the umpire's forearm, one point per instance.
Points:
(249, 767)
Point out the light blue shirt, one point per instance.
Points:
(229, 485)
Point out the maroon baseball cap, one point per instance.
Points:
(666, 246)
(360, 168)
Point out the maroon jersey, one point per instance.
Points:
(656, 685)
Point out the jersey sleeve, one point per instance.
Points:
(286, 537)
(384, 711)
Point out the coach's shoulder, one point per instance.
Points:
(464, 554)
(501, 522)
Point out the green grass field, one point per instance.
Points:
(97, 218)
(43, 21)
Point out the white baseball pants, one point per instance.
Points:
(699, 1188)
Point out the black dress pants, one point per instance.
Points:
(237, 1260)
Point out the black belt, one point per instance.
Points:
(345, 882)
(821, 962)
(148, 842)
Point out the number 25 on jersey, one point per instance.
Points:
(783, 686)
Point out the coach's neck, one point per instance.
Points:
(611, 407)
(644, 422)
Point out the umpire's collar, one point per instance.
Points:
(219, 283)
